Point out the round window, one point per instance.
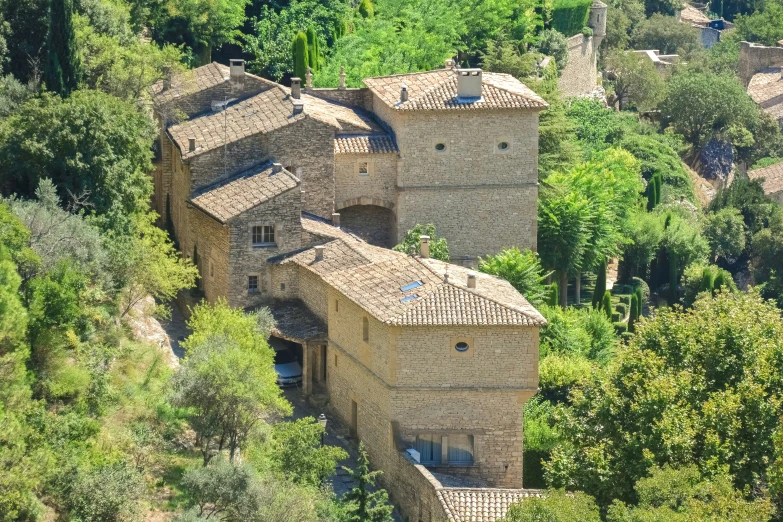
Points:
(503, 145)
(462, 347)
(440, 147)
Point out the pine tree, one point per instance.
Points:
(301, 58)
(312, 48)
(61, 72)
(606, 304)
(600, 284)
(366, 9)
(362, 504)
(553, 297)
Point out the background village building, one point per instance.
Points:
(580, 75)
(290, 197)
(709, 30)
(772, 177)
(761, 69)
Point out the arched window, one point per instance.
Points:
(365, 330)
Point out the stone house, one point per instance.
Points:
(761, 69)
(772, 180)
(289, 198)
(580, 74)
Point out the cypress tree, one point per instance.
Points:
(658, 186)
(312, 48)
(366, 9)
(607, 304)
(674, 279)
(300, 55)
(640, 300)
(61, 72)
(706, 280)
(600, 284)
(720, 282)
(651, 194)
(634, 314)
(553, 298)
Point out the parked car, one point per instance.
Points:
(287, 367)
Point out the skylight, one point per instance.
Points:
(409, 298)
(411, 286)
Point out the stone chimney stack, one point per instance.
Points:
(309, 78)
(449, 63)
(277, 167)
(425, 246)
(237, 69)
(191, 144)
(298, 107)
(469, 84)
(471, 280)
(319, 253)
(342, 78)
(403, 93)
(336, 219)
(296, 88)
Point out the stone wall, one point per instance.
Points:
(374, 224)
(284, 213)
(472, 185)
(755, 57)
(580, 75)
(380, 181)
(355, 97)
(223, 162)
(212, 240)
(709, 36)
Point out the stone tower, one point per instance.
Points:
(597, 21)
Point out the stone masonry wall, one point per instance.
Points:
(353, 97)
(580, 75)
(374, 224)
(180, 192)
(201, 101)
(380, 181)
(212, 239)
(755, 57)
(220, 163)
(308, 145)
(284, 213)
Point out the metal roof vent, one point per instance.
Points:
(469, 85)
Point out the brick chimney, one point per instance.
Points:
(319, 252)
(336, 219)
(471, 280)
(469, 84)
(191, 144)
(296, 88)
(425, 246)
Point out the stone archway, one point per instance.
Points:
(369, 218)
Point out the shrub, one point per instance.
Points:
(583, 331)
(553, 43)
(366, 9)
(111, 493)
(620, 327)
(607, 304)
(558, 373)
(699, 277)
(621, 309)
(570, 16)
(555, 506)
(586, 31)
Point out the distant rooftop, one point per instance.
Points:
(772, 175)
(766, 89)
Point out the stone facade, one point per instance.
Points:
(580, 75)
(755, 57)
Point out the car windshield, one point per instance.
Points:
(284, 357)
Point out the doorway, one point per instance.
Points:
(322, 373)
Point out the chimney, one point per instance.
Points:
(309, 78)
(237, 69)
(296, 88)
(277, 167)
(403, 93)
(342, 78)
(319, 253)
(449, 63)
(469, 84)
(425, 246)
(191, 144)
(471, 280)
(446, 277)
(336, 219)
(298, 107)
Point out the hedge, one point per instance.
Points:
(570, 16)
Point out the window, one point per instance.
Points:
(409, 298)
(365, 330)
(429, 448)
(440, 147)
(460, 449)
(252, 284)
(211, 269)
(282, 287)
(263, 235)
(411, 286)
(503, 146)
(461, 347)
(336, 305)
(364, 169)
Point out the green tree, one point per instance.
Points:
(555, 506)
(228, 390)
(634, 315)
(28, 24)
(301, 57)
(61, 73)
(554, 44)
(362, 504)
(110, 493)
(764, 26)
(584, 332)
(521, 269)
(725, 231)
(366, 9)
(208, 23)
(695, 386)
(249, 330)
(667, 35)
(299, 454)
(313, 53)
(606, 305)
(645, 231)
(95, 148)
(411, 242)
(635, 79)
(600, 284)
(553, 295)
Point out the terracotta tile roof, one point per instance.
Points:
(766, 89)
(372, 277)
(364, 145)
(772, 175)
(191, 82)
(263, 113)
(437, 90)
(481, 504)
(233, 196)
(691, 15)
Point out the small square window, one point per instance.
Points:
(252, 284)
(282, 286)
(364, 169)
(263, 235)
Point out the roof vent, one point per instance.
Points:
(237, 69)
(469, 84)
(336, 219)
(277, 167)
(296, 88)
(425, 246)
(403, 93)
(319, 252)
(471, 280)
(298, 107)
(191, 144)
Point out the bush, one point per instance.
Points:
(587, 31)
(558, 373)
(620, 327)
(658, 157)
(621, 309)
(570, 16)
(585, 331)
(554, 44)
(700, 277)
(555, 506)
(640, 285)
(111, 493)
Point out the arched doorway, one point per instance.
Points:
(370, 219)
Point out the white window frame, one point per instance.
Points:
(264, 235)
